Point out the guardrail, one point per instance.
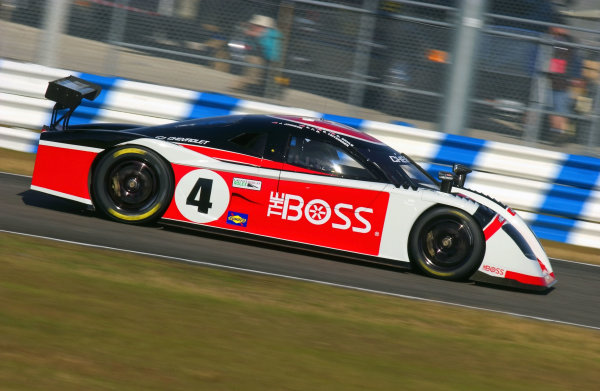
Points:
(557, 193)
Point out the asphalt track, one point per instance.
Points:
(575, 299)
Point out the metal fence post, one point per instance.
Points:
(115, 36)
(538, 96)
(363, 52)
(458, 89)
(56, 17)
(593, 139)
(273, 72)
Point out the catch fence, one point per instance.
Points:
(381, 60)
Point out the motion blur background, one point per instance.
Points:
(471, 67)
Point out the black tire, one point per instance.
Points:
(132, 185)
(446, 243)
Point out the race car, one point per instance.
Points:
(297, 181)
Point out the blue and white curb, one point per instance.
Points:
(557, 193)
(19, 139)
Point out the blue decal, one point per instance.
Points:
(235, 218)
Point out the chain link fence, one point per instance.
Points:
(531, 75)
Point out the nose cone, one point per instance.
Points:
(547, 273)
(542, 279)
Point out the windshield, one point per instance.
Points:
(396, 166)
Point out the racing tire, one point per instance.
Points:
(446, 243)
(133, 185)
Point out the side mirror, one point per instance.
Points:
(447, 179)
(461, 172)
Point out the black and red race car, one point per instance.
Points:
(301, 181)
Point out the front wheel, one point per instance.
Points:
(133, 185)
(446, 243)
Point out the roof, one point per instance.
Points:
(331, 126)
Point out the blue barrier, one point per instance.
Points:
(567, 192)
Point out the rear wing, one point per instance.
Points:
(68, 93)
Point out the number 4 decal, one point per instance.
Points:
(202, 196)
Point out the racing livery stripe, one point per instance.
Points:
(70, 146)
(493, 227)
(221, 154)
(63, 169)
(547, 279)
(544, 268)
(529, 280)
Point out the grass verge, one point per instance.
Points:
(75, 318)
(16, 162)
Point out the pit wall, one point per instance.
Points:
(556, 193)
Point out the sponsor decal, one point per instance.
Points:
(247, 184)
(183, 140)
(341, 216)
(235, 218)
(399, 159)
(494, 270)
(318, 130)
(298, 126)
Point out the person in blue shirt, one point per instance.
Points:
(263, 48)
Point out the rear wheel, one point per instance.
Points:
(446, 243)
(132, 185)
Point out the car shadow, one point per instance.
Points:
(50, 202)
(541, 292)
(278, 245)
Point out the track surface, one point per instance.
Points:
(575, 298)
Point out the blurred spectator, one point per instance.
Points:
(591, 76)
(264, 48)
(563, 71)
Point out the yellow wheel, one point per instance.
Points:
(133, 185)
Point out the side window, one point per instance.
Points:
(325, 158)
(252, 143)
